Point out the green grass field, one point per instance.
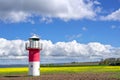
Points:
(57, 70)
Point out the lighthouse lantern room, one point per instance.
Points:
(34, 47)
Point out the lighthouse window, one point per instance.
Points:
(31, 66)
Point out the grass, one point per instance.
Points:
(77, 69)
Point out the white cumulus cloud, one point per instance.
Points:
(10, 48)
(16, 49)
(114, 16)
(23, 10)
(15, 17)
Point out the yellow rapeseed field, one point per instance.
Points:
(8, 70)
(77, 69)
(80, 69)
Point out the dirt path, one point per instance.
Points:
(80, 76)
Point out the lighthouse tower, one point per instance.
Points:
(34, 48)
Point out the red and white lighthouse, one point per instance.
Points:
(34, 48)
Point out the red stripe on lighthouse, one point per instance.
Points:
(34, 55)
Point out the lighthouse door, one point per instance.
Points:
(34, 68)
(30, 68)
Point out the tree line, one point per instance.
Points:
(110, 61)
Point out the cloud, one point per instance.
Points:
(15, 16)
(25, 10)
(60, 51)
(96, 2)
(73, 37)
(76, 49)
(84, 28)
(13, 11)
(46, 20)
(115, 27)
(114, 16)
(12, 48)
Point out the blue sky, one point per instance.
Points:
(84, 21)
(96, 31)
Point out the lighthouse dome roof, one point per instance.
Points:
(34, 37)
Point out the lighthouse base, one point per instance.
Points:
(34, 69)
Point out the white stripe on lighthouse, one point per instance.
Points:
(34, 68)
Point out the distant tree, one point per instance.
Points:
(110, 61)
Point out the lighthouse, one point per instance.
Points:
(34, 48)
